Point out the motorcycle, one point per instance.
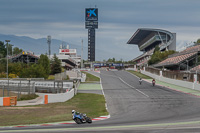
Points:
(153, 83)
(81, 118)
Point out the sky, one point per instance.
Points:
(118, 21)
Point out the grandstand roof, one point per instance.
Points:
(25, 57)
(179, 57)
(144, 55)
(142, 33)
(197, 68)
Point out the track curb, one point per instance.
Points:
(54, 124)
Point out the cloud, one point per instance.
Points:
(118, 20)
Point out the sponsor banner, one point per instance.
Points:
(117, 64)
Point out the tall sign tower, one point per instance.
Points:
(91, 23)
(49, 45)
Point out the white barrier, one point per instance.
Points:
(61, 97)
(181, 83)
(1, 101)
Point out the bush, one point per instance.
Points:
(2, 75)
(12, 75)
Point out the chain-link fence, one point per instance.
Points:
(10, 86)
(18, 88)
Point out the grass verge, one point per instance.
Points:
(138, 74)
(91, 78)
(27, 97)
(22, 96)
(91, 104)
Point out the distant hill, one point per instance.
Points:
(38, 46)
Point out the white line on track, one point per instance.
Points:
(133, 87)
(127, 84)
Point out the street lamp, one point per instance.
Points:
(7, 56)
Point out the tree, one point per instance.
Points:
(198, 41)
(16, 68)
(3, 51)
(55, 65)
(45, 63)
(33, 71)
(159, 56)
(157, 48)
(3, 63)
(16, 51)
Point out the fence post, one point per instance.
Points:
(8, 88)
(29, 86)
(20, 87)
(33, 88)
(62, 87)
(54, 87)
(18, 90)
(3, 90)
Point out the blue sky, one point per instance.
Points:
(118, 21)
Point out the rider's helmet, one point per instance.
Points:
(73, 111)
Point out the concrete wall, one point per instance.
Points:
(181, 83)
(61, 97)
(172, 46)
(1, 101)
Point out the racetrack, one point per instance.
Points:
(138, 108)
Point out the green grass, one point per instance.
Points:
(91, 78)
(138, 74)
(91, 104)
(51, 77)
(27, 97)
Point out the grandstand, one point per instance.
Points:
(185, 60)
(24, 57)
(147, 39)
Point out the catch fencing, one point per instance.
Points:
(30, 87)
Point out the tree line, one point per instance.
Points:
(42, 69)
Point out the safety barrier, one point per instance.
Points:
(61, 97)
(8, 101)
(13, 100)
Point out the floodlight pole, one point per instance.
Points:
(7, 65)
(7, 56)
(82, 54)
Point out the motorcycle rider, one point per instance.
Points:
(76, 113)
(153, 82)
(140, 81)
(73, 111)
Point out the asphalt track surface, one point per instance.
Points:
(137, 108)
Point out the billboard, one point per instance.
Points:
(91, 24)
(91, 14)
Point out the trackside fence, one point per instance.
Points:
(30, 87)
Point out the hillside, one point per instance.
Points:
(38, 46)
